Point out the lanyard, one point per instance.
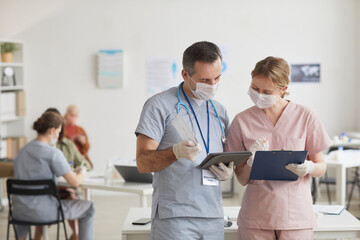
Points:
(207, 146)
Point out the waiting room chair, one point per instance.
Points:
(33, 188)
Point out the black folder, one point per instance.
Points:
(270, 165)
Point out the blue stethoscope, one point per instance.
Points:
(180, 103)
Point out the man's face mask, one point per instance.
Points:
(204, 91)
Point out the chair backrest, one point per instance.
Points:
(31, 187)
(34, 188)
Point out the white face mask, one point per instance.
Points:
(53, 141)
(262, 100)
(204, 91)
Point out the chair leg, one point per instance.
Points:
(8, 231)
(359, 192)
(66, 237)
(357, 180)
(314, 190)
(29, 232)
(16, 237)
(351, 193)
(328, 192)
(58, 225)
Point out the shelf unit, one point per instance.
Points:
(13, 125)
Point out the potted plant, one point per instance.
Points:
(7, 50)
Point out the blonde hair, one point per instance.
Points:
(71, 108)
(275, 69)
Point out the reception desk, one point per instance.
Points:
(340, 226)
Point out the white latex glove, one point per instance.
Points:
(187, 149)
(301, 169)
(223, 173)
(261, 144)
(83, 171)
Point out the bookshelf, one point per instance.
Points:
(12, 98)
(12, 107)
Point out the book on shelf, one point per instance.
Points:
(12, 105)
(20, 104)
(8, 105)
(3, 149)
(10, 146)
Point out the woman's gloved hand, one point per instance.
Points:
(301, 169)
(223, 173)
(187, 149)
(261, 144)
(81, 170)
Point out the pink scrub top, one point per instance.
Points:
(280, 205)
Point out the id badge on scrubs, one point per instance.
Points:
(208, 178)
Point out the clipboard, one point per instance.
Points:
(270, 165)
(225, 157)
(329, 209)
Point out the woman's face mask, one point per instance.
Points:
(262, 100)
(53, 141)
(204, 91)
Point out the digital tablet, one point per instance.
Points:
(131, 174)
(270, 165)
(225, 157)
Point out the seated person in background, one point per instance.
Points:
(76, 160)
(76, 133)
(69, 149)
(40, 160)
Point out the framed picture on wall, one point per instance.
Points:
(305, 73)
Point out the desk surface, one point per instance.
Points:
(94, 180)
(329, 226)
(349, 158)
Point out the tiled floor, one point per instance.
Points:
(111, 211)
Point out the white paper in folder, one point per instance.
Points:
(183, 129)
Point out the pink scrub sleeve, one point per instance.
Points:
(234, 141)
(317, 138)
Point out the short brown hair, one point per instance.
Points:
(200, 51)
(275, 69)
(46, 121)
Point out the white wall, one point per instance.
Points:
(63, 37)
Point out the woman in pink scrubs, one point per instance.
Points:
(277, 209)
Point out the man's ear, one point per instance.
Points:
(184, 75)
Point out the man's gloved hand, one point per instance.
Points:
(187, 149)
(301, 169)
(261, 144)
(223, 173)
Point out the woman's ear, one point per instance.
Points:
(284, 90)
